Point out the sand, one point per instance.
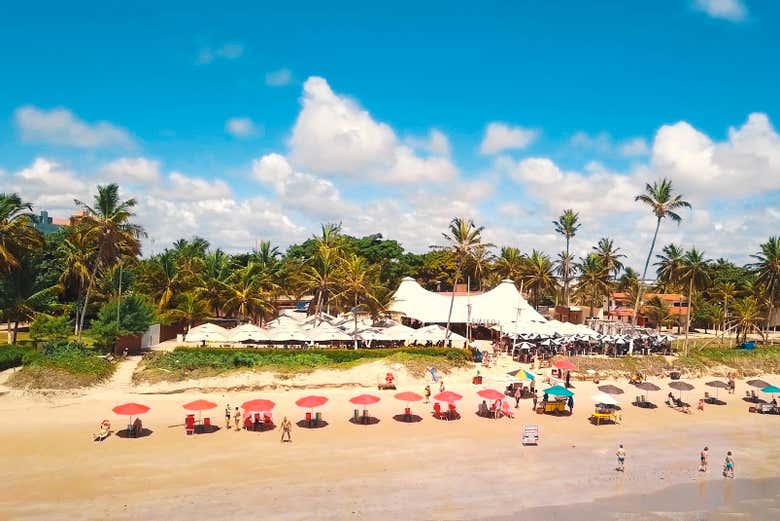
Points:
(472, 468)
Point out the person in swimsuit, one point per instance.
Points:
(237, 417)
(728, 466)
(227, 416)
(704, 457)
(286, 430)
(621, 457)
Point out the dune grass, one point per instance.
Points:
(186, 362)
(61, 365)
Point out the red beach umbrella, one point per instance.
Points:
(130, 409)
(310, 402)
(199, 405)
(565, 364)
(258, 405)
(491, 394)
(447, 396)
(408, 396)
(365, 399)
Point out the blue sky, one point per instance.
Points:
(504, 111)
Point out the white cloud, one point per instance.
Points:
(182, 187)
(602, 143)
(436, 143)
(241, 127)
(747, 163)
(60, 126)
(732, 10)
(278, 78)
(500, 136)
(132, 169)
(227, 51)
(333, 135)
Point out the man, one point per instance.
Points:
(441, 385)
(535, 400)
(286, 430)
(704, 457)
(621, 457)
(571, 404)
(237, 418)
(427, 393)
(518, 393)
(227, 416)
(728, 466)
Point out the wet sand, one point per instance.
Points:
(472, 468)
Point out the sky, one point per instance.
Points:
(253, 121)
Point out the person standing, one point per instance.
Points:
(427, 393)
(441, 385)
(237, 418)
(621, 457)
(227, 416)
(568, 379)
(571, 404)
(518, 394)
(535, 401)
(704, 457)
(286, 430)
(728, 466)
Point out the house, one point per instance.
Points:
(621, 306)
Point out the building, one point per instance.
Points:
(622, 306)
(46, 224)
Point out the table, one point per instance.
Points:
(603, 416)
(555, 406)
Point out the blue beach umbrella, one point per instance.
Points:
(558, 390)
(771, 389)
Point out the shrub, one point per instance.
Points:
(62, 365)
(47, 327)
(13, 356)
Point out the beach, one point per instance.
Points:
(470, 468)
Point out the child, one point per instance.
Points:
(728, 466)
(621, 457)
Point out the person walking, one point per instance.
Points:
(535, 400)
(286, 430)
(728, 466)
(237, 419)
(227, 416)
(571, 404)
(518, 394)
(621, 457)
(441, 385)
(704, 457)
(427, 393)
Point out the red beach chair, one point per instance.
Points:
(452, 412)
(437, 413)
(189, 424)
(506, 411)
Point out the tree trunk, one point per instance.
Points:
(644, 274)
(688, 315)
(566, 276)
(354, 314)
(452, 303)
(16, 332)
(8, 327)
(80, 325)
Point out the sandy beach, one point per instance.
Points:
(471, 468)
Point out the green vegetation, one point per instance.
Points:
(135, 315)
(61, 365)
(12, 356)
(184, 363)
(47, 327)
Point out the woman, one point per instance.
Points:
(237, 417)
(286, 430)
(227, 416)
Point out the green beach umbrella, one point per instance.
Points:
(558, 390)
(771, 389)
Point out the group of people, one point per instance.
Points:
(286, 425)
(704, 460)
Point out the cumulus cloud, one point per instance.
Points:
(227, 51)
(604, 144)
(278, 78)
(334, 135)
(436, 143)
(182, 187)
(500, 136)
(731, 10)
(241, 127)
(132, 169)
(60, 126)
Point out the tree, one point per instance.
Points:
(725, 292)
(357, 284)
(213, 279)
(464, 239)
(609, 255)
(106, 224)
(132, 316)
(538, 275)
(593, 281)
(658, 311)
(245, 296)
(669, 264)
(767, 268)
(189, 308)
(746, 316)
(564, 267)
(48, 327)
(510, 264)
(479, 264)
(23, 296)
(18, 236)
(661, 199)
(567, 225)
(695, 275)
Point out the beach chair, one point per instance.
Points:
(267, 420)
(189, 424)
(207, 424)
(437, 413)
(507, 411)
(104, 429)
(452, 411)
(317, 418)
(308, 419)
(356, 415)
(530, 435)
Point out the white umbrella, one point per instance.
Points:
(207, 332)
(247, 332)
(546, 343)
(604, 398)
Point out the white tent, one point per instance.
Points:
(207, 333)
(398, 332)
(283, 334)
(325, 332)
(435, 333)
(246, 333)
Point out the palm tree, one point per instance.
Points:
(190, 308)
(593, 280)
(479, 264)
(658, 311)
(464, 240)
(669, 264)
(564, 267)
(17, 233)
(107, 225)
(245, 296)
(22, 296)
(725, 292)
(661, 199)
(319, 276)
(567, 225)
(628, 280)
(538, 275)
(510, 263)
(767, 270)
(357, 284)
(213, 279)
(747, 316)
(695, 274)
(609, 255)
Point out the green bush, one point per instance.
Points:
(62, 365)
(14, 356)
(47, 327)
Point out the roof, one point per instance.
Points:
(503, 305)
